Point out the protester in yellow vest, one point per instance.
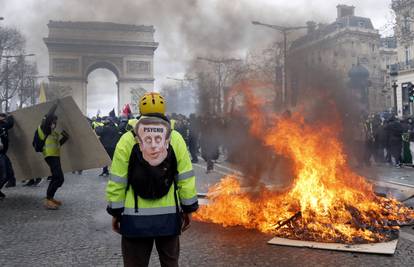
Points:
(51, 152)
(151, 191)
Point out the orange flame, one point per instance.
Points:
(327, 201)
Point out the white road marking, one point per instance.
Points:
(229, 169)
(214, 170)
(406, 185)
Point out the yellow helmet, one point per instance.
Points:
(151, 102)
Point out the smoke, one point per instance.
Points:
(184, 28)
(322, 98)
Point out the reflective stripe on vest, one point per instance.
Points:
(190, 201)
(116, 205)
(117, 179)
(185, 175)
(150, 211)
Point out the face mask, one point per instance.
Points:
(153, 142)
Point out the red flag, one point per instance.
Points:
(126, 111)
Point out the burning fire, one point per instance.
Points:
(327, 201)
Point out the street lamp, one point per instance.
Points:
(219, 63)
(181, 80)
(285, 31)
(7, 75)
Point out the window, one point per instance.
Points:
(407, 55)
(406, 23)
(361, 24)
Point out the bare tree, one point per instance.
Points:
(215, 76)
(13, 67)
(27, 90)
(11, 42)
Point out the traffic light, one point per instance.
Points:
(410, 89)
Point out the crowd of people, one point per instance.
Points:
(384, 138)
(380, 138)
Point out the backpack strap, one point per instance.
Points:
(133, 133)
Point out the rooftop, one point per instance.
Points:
(95, 25)
(340, 23)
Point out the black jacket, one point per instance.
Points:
(5, 125)
(109, 135)
(393, 131)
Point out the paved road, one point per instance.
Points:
(79, 234)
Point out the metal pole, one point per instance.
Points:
(219, 92)
(7, 85)
(22, 82)
(394, 86)
(33, 92)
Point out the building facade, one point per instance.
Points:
(78, 48)
(403, 71)
(389, 57)
(347, 42)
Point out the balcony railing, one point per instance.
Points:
(401, 66)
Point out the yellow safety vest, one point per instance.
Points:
(52, 144)
(96, 124)
(155, 217)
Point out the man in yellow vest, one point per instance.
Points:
(51, 152)
(151, 190)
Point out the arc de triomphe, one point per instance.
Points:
(78, 48)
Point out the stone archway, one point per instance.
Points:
(102, 86)
(78, 48)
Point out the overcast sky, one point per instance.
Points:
(184, 28)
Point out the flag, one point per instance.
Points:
(42, 94)
(112, 113)
(126, 112)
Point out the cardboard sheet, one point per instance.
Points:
(82, 151)
(375, 248)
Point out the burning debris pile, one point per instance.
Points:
(327, 201)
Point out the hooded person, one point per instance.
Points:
(151, 190)
(109, 136)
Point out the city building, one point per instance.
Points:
(389, 57)
(348, 42)
(402, 72)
